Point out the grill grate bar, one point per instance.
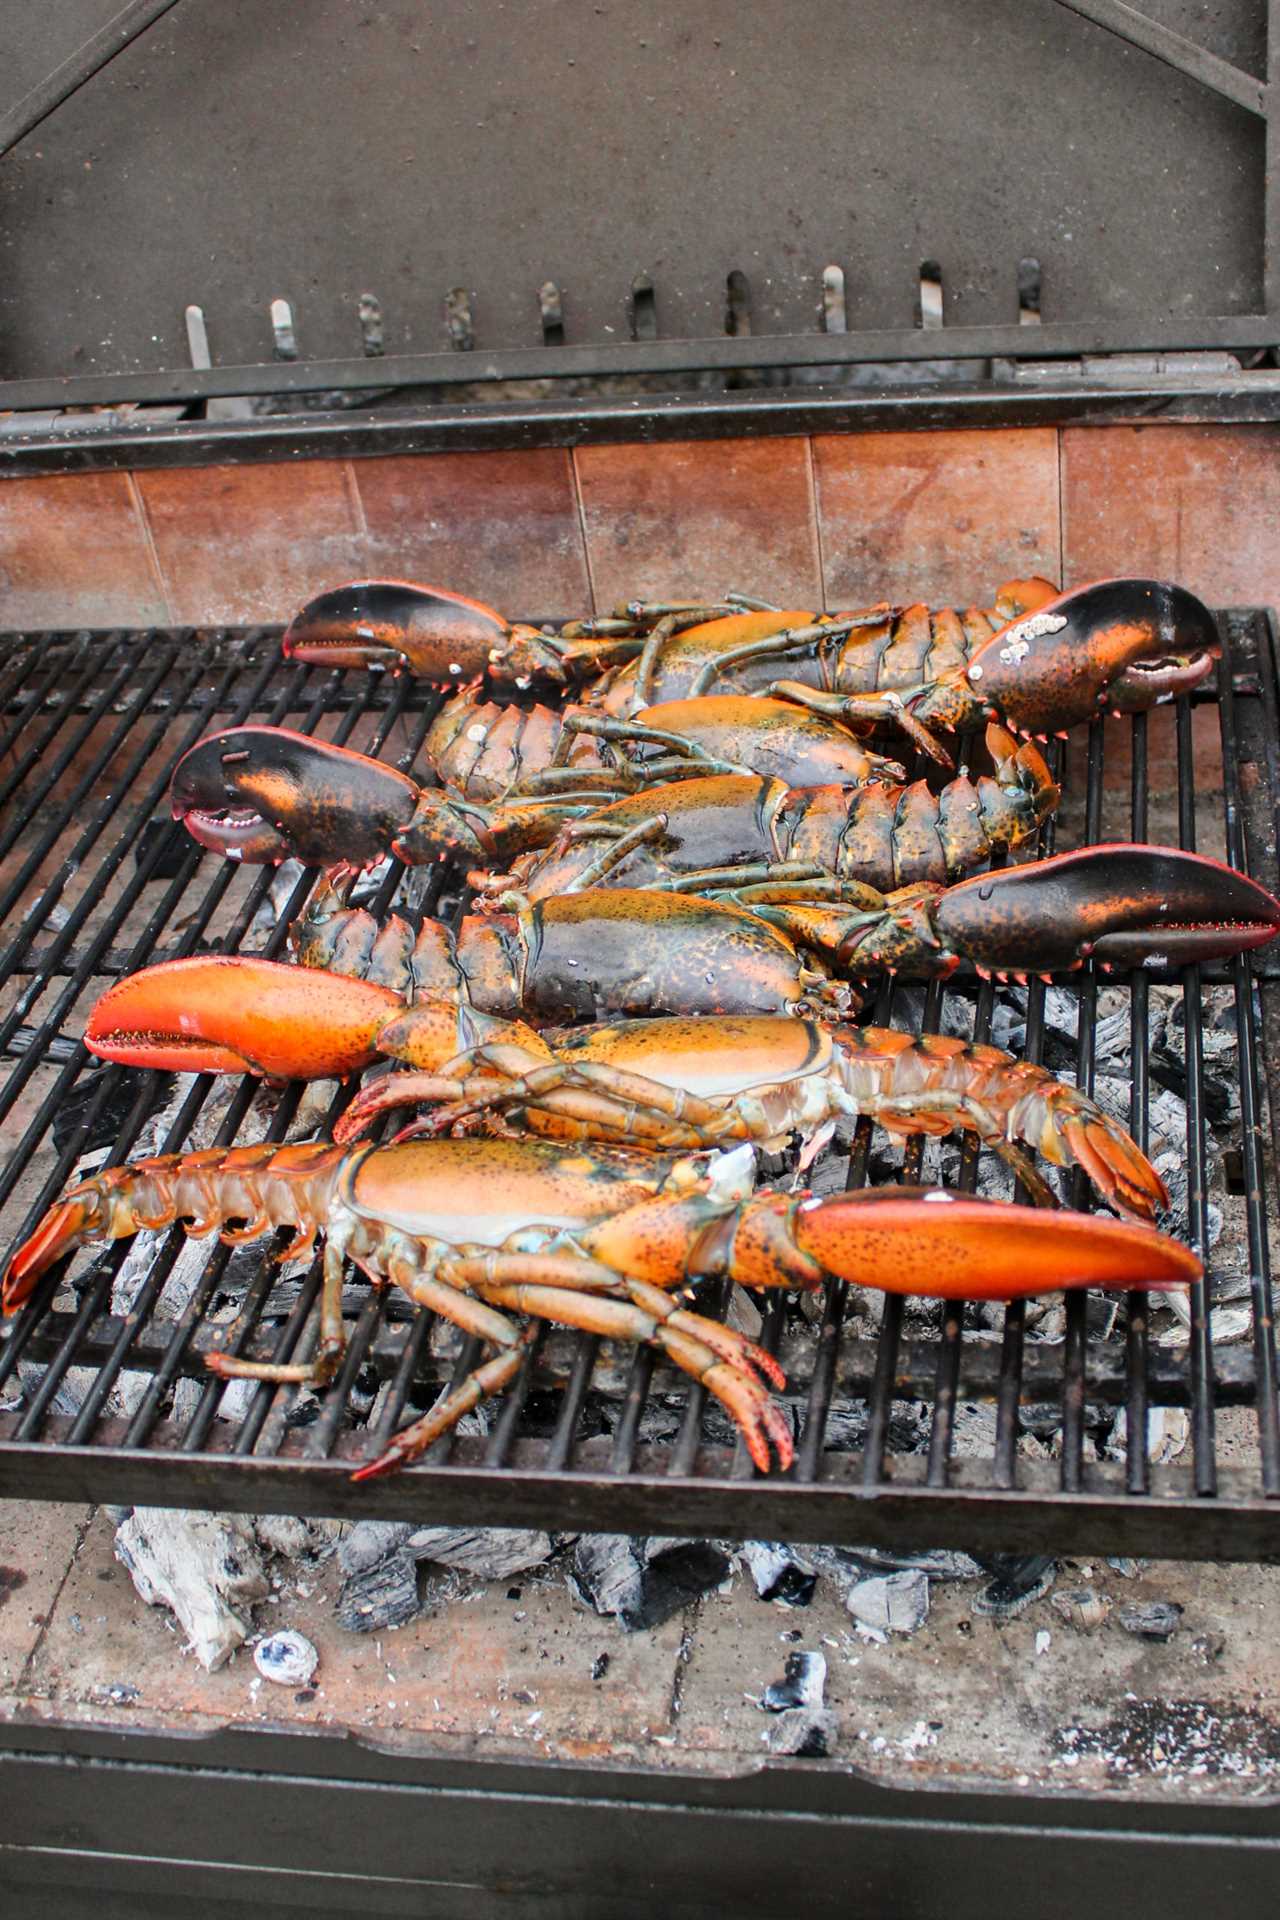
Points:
(1264, 1344)
(391, 1343)
(1202, 1420)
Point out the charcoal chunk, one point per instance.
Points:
(1151, 1619)
(1019, 1579)
(778, 1574)
(803, 1683)
(382, 1595)
(612, 1574)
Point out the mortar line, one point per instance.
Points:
(684, 1654)
(582, 527)
(1062, 508)
(355, 499)
(815, 515)
(148, 540)
(82, 1534)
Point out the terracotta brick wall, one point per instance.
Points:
(838, 518)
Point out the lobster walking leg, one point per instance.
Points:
(489, 1378)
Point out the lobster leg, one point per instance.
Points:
(617, 851)
(412, 1441)
(759, 1419)
(332, 1344)
(866, 710)
(599, 1096)
(780, 646)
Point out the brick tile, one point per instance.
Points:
(1199, 505)
(73, 553)
(501, 527)
(694, 518)
(243, 544)
(942, 517)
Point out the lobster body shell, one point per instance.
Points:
(484, 751)
(631, 951)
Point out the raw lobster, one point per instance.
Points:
(478, 1229)
(736, 828)
(446, 638)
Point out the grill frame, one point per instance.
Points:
(612, 1482)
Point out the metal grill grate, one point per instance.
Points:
(95, 881)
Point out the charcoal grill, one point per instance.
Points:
(122, 707)
(874, 263)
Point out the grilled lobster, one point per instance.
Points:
(262, 793)
(675, 1085)
(665, 1084)
(265, 793)
(631, 952)
(478, 1230)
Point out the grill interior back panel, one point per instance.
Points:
(914, 1423)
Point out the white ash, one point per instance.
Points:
(804, 1684)
(1168, 1430)
(778, 1572)
(1080, 1607)
(890, 1602)
(273, 906)
(1151, 1619)
(491, 1553)
(801, 1725)
(203, 1566)
(287, 1658)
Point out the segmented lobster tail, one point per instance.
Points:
(905, 836)
(330, 935)
(264, 1186)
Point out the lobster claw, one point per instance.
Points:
(238, 1013)
(955, 1247)
(437, 635)
(1123, 904)
(265, 793)
(1122, 645)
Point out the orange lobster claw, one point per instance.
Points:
(950, 1246)
(237, 1013)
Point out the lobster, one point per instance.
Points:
(478, 1230)
(448, 639)
(732, 829)
(631, 952)
(664, 1084)
(262, 794)
(1037, 664)
(676, 1085)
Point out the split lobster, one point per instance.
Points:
(477, 1230)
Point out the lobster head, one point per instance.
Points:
(265, 793)
(1117, 645)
